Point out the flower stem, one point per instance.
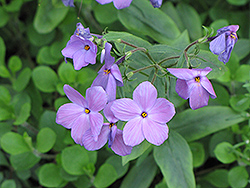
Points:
(186, 49)
(168, 58)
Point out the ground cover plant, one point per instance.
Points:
(132, 93)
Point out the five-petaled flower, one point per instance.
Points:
(223, 43)
(109, 75)
(109, 132)
(83, 52)
(193, 84)
(146, 114)
(82, 32)
(82, 114)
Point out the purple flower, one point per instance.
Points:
(223, 43)
(109, 75)
(82, 32)
(119, 4)
(81, 51)
(82, 114)
(193, 84)
(156, 3)
(68, 3)
(109, 132)
(146, 115)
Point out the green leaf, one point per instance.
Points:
(48, 16)
(4, 128)
(105, 14)
(3, 160)
(24, 161)
(13, 6)
(14, 64)
(241, 48)
(49, 175)
(143, 19)
(243, 73)
(48, 119)
(46, 139)
(74, 158)
(176, 169)
(237, 2)
(218, 178)
(45, 57)
(23, 174)
(137, 151)
(22, 80)
(198, 153)
(23, 114)
(190, 19)
(13, 143)
(238, 177)
(8, 184)
(4, 17)
(38, 39)
(5, 95)
(116, 162)
(224, 153)
(105, 176)
(67, 73)
(222, 96)
(141, 176)
(240, 102)
(204, 121)
(45, 79)
(83, 181)
(2, 51)
(4, 72)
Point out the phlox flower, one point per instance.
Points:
(82, 114)
(223, 43)
(109, 76)
(68, 3)
(82, 32)
(193, 84)
(83, 52)
(156, 3)
(146, 114)
(119, 4)
(109, 132)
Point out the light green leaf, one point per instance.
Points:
(24, 161)
(2, 51)
(238, 177)
(67, 73)
(198, 153)
(105, 14)
(45, 57)
(10, 183)
(22, 80)
(204, 121)
(4, 17)
(243, 73)
(176, 169)
(23, 114)
(224, 153)
(4, 72)
(116, 162)
(14, 63)
(48, 16)
(46, 139)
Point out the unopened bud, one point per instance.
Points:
(128, 54)
(129, 75)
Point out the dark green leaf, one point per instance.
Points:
(198, 153)
(238, 177)
(204, 121)
(2, 51)
(176, 169)
(46, 139)
(105, 14)
(22, 80)
(4, 17)
(45, 57)
(24, 161)
(14, 64)
(67, 73)
(116, 162)
(218, 178)
(23, 114)
(8, 184)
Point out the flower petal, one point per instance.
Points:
(109, 60)
(162, 111)
(100, 80)
(79, 59)
(104, 1)
(118, 146)
(132, 132)
(96, 98)
(145, 95)
(198, 97)
(72, 48)
(68, 113)
(112, 134)
(182, 88)
(125, 109)
(109, 114)
(90, 57)
(115, 71)
(154, 132)
(121, 4)
(74, 96)
(96, 122)
(208, 86)
(88, 140)
(81, 125)
(218, 45)
(184, 74)
(111, 88)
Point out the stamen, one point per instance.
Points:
(107, 71)
(87, 47)
(233, 35)
(111, 125)
(144, 114)
(197, 79)
(87, 111)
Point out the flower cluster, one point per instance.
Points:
(145, 115)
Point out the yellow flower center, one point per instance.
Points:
(197, 79)
(87, 111)
(111, 125)
(144, 114)
(233, 35)
(107, 71)
(87, 47)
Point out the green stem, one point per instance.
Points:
(186, 49)
(168, 58)
(143, 68)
